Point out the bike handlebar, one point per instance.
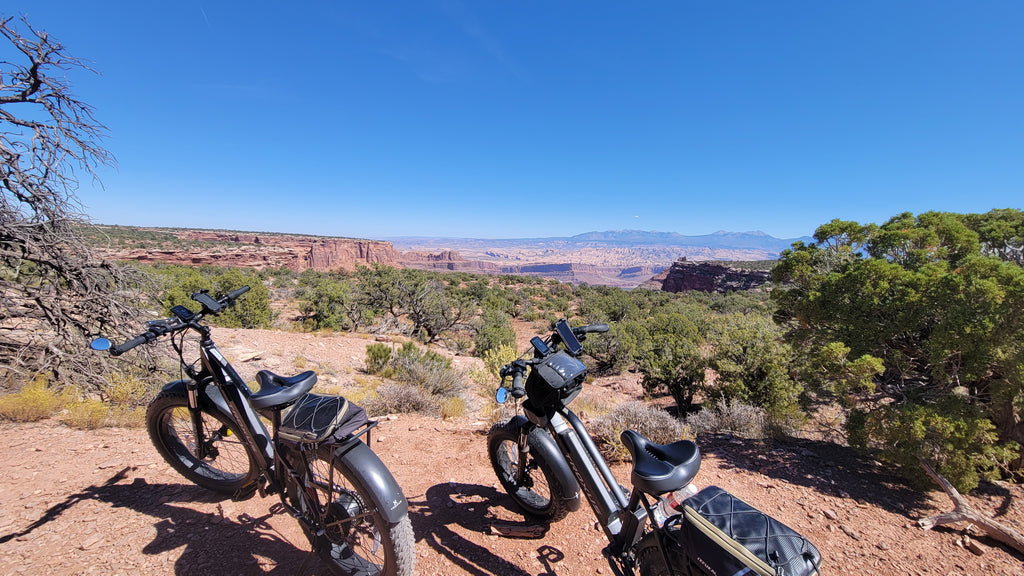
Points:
(158, 328)
(518, 391)
(126, 346)
(590, 328)
(517, 368)
(234, 294)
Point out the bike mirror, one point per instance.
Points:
(501, 395)
(100, 344)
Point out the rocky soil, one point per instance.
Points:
(103, 502)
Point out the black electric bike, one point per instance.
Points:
(545, 459)
(213, 430)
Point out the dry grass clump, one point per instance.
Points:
(124, 406)
(126, 390)
(453, 408)
(35, 401)
(656, 424)
(87, 414)
(733, 417)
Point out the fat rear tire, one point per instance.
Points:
(367, 545)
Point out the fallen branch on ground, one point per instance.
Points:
(963, 512)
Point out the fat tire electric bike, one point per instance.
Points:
(213, 430)
(545, 458)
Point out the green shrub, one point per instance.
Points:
(493, 330)
(497, 357)
(427, 370)
(378, 356)
(252, 310)
(951, 434)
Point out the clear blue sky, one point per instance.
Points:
(546, 118)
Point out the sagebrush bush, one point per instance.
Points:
(656, 424)
(733, 417)
(427, 370)
(396, 398)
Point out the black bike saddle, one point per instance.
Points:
(277, 392)
(660, 468)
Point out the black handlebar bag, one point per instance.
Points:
(724, 535)
(556, 380)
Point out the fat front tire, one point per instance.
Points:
(348, 532)
(538, 492)
(225, 468)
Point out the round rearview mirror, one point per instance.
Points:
(501, 395)
(100, 344)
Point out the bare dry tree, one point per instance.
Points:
(53, 293)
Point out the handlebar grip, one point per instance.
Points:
(518, 391)
(126, 346)
(598, 328)
(233, 295)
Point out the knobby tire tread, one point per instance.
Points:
(167, 445)
(557, 508)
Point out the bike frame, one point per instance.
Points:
(219, 384)
(621, 518)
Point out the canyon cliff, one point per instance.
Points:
(684, 276)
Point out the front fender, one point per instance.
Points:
(545, 449)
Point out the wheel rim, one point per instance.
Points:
(352, 538)
(227, 459)
(534, 491)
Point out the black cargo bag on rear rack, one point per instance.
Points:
(316, 417)
(723, 535)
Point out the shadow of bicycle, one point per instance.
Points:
(449, 505)
(211, 543)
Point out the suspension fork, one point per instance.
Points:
(196, 415)
(524, 453)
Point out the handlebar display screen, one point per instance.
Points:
(572, 344)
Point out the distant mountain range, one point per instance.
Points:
(721, 240)
(616, 257)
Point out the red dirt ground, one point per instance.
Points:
(103, 502)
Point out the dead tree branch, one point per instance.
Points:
(53, 293)
(963, 512)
